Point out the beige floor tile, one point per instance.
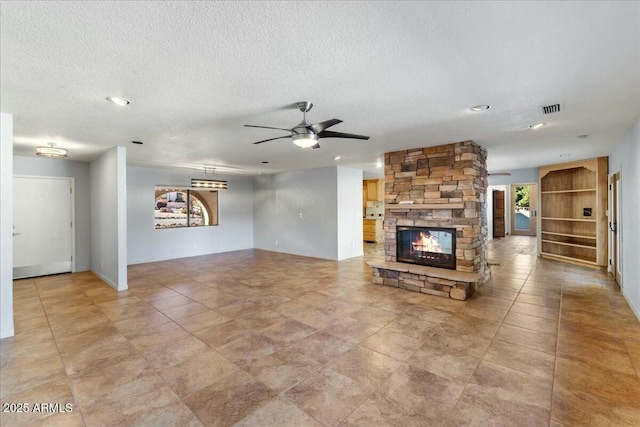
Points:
(533, 323)
(328, 396)
(283, 369)
(438, 358)
(374, 316)
(322, 346)
(173, 352)
(279, 412)
(492, 381)
(229, 399)
(574, 407)
(145, 401)
(56, 392)
(250, 348)
(197, 372)
(369, 368)
(419, 392)
(392, 344)
(527, 338)
(522, 359)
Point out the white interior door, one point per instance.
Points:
(42, 226)
(615, 228)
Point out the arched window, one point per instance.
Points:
(184, 207)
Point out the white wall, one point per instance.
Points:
(146, 244)
(518, 176)
(109, 217)
(350, 242)
(40, 166)
(626, 160)
(297, 212)
(6, 225)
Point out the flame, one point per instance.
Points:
(426, 243)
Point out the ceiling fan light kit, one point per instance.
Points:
(305, 134)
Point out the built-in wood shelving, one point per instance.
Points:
(573, 203)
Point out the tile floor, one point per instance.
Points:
(255, 338)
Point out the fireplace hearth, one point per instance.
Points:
(430, 246)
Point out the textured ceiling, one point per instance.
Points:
(404, 73)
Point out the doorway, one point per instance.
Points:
(615, 227)
(43, 232)
(523, 210)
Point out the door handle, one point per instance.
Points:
(15, 234)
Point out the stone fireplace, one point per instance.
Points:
(440, 191)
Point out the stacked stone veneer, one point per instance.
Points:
(447, 185)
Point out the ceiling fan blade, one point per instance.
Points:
(331, 134)
(271, 139)
(317, 145)
(500, 174)
(319, 127)
(266, 127)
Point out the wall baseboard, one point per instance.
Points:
(106, 280)
(6, 333)
(635, 310)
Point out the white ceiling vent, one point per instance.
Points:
(550, 109)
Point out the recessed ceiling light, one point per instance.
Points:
(118, 101)
(536, 126)
(137, 142)
(480, 108)
(336, 158)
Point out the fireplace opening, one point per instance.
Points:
(431, 246)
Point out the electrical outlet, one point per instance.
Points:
(300, 215)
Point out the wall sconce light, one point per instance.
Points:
(50, 150)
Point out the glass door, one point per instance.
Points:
(523, 210)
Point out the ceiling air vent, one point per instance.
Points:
(550, 109)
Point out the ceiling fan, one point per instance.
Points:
(305, 134)
(499, 174)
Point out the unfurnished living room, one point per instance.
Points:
(319, 213)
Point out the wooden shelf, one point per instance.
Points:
(575, 245)
(582, 190)
(579, 236)
(569, 219)
(575, 258)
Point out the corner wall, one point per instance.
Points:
(6, 226)
(108, 217)
(146, 244)
(626, 160)
(297, 212)
(350, 243)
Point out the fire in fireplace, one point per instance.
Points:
(431, 246)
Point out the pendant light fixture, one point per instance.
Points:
(211, 184)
